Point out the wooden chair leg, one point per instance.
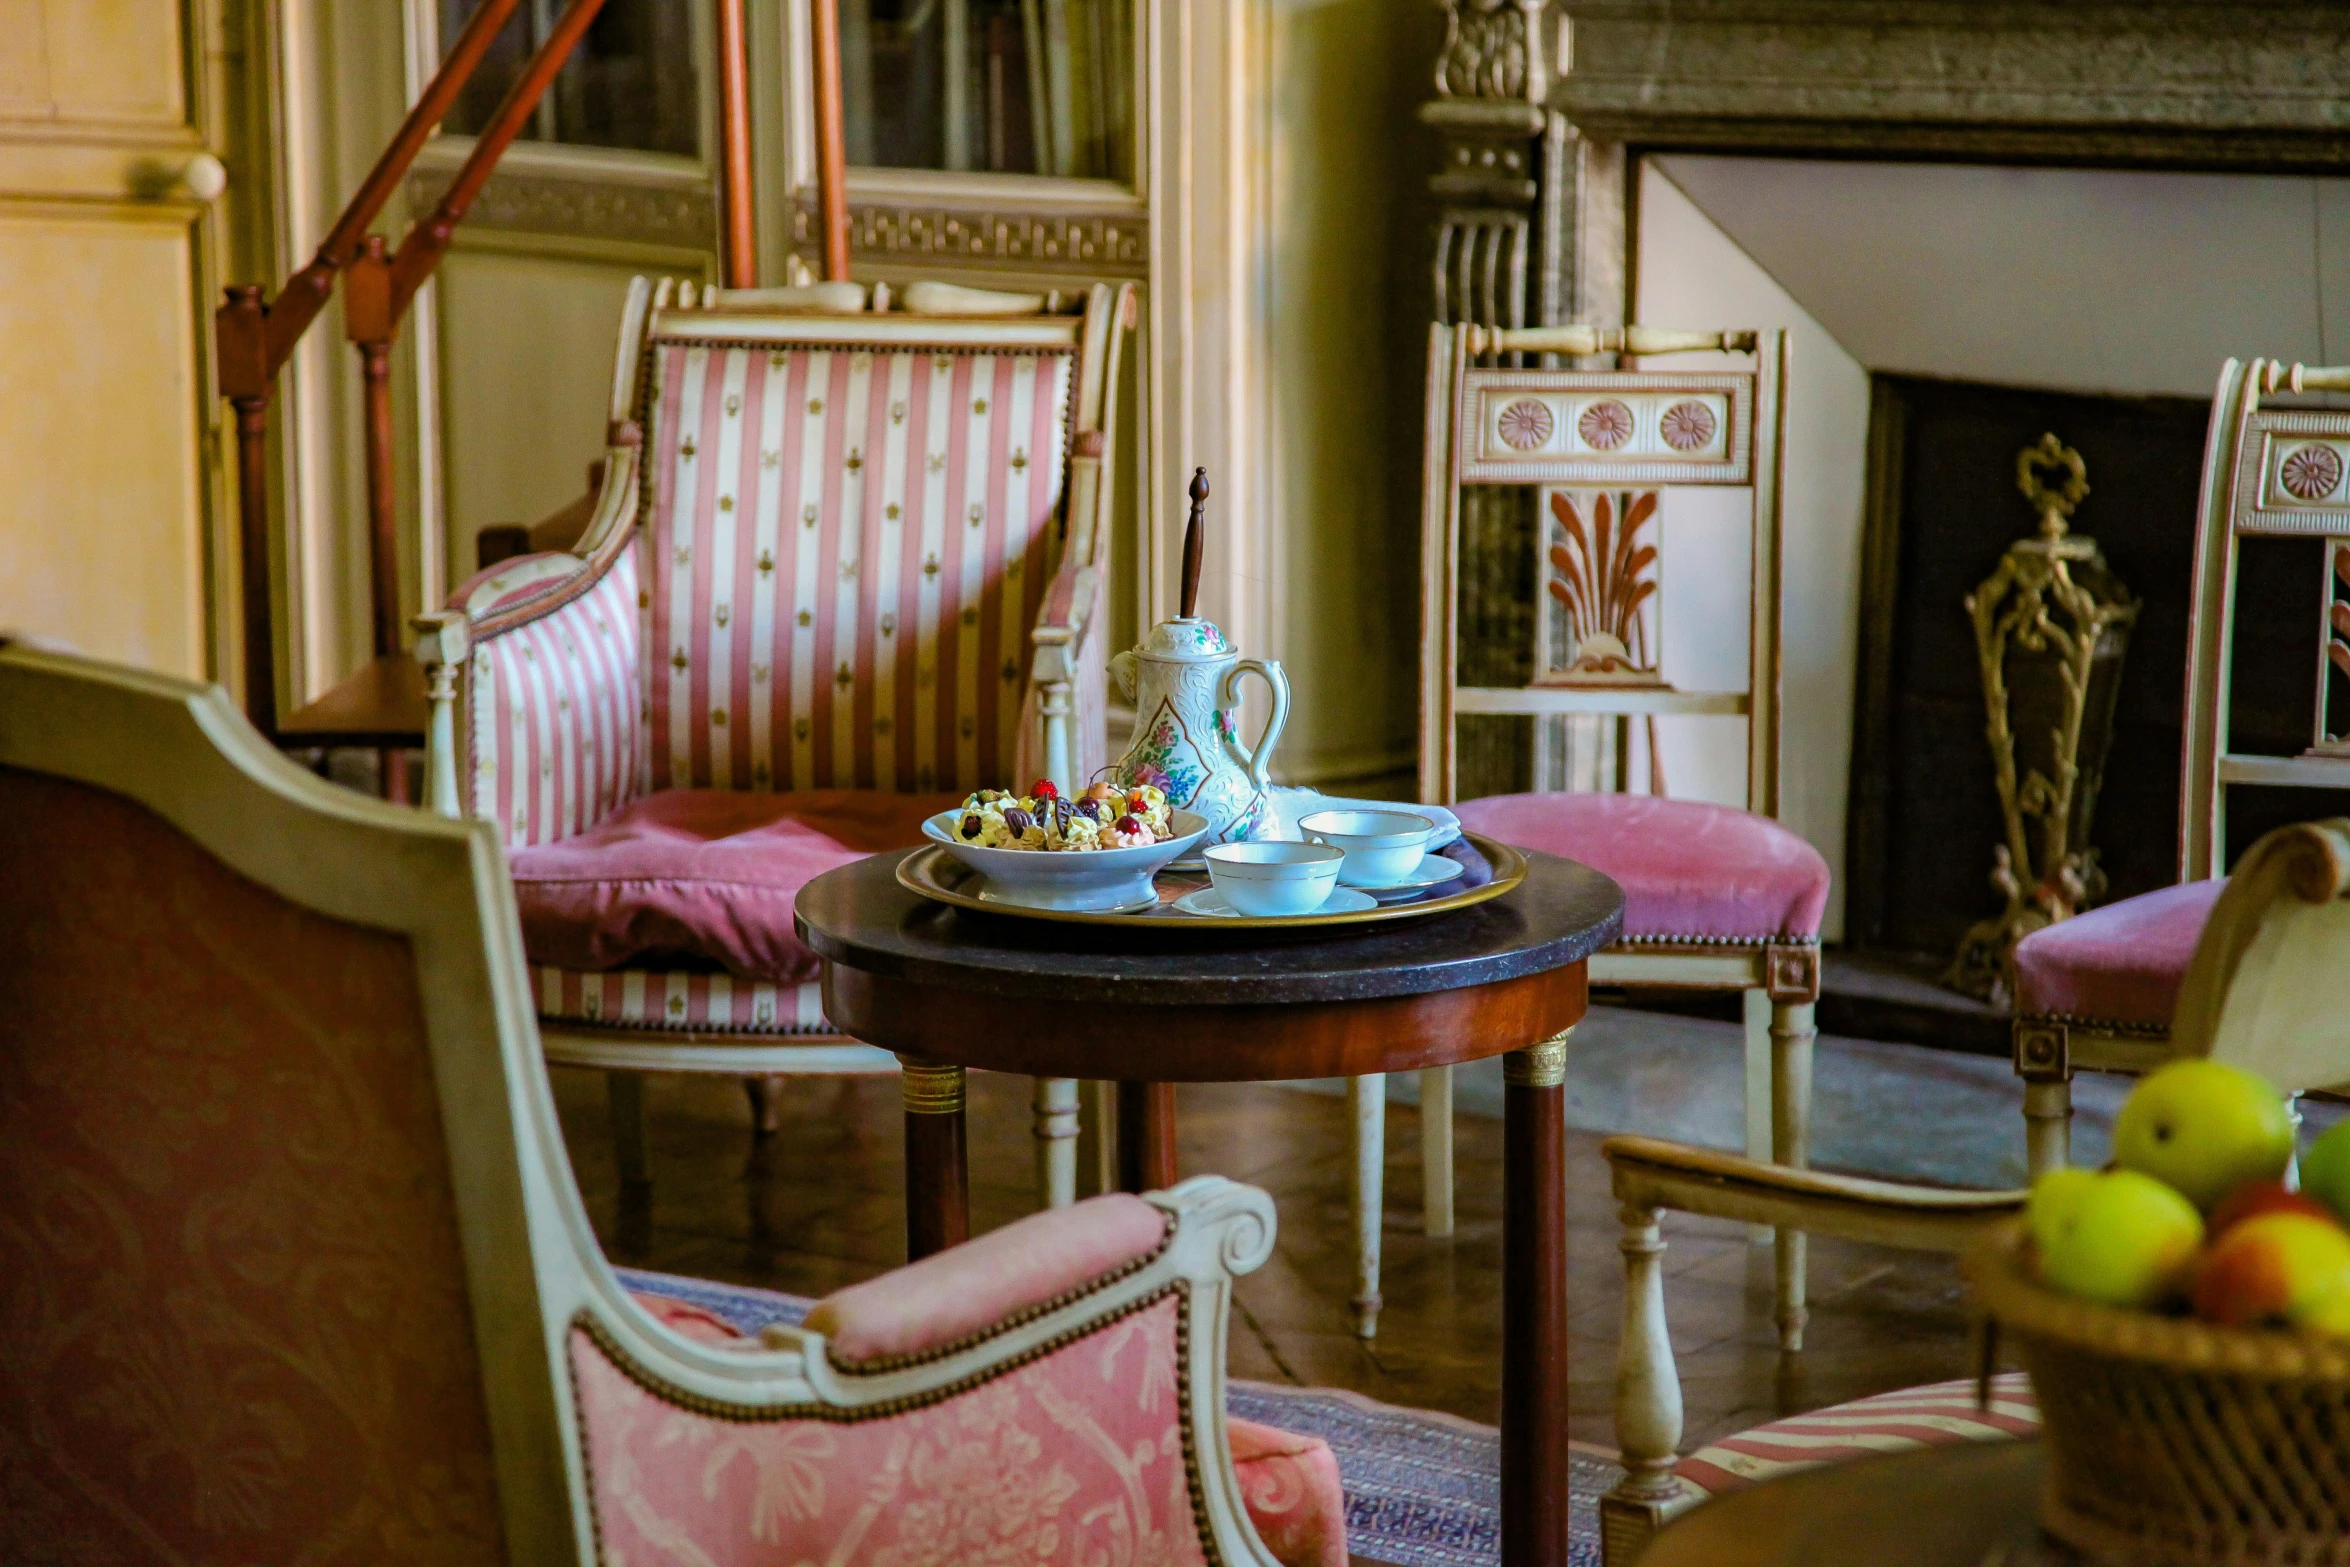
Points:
(1792, 1032)
(624, 1095)
(2048, 1125)
(1758, 1091)
(766, 1097)
(1436, 1150)
(1648, 1402)
(1366, 1100)
(1056, 1141)
(1097, 1138)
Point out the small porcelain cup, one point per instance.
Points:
(1273, 879)
(1382, 847)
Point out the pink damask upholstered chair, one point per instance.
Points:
(296, 1267)
(2097, 991)
(843, 569)
(1715, 897)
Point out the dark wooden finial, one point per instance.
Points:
(1193, 543)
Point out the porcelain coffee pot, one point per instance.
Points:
(1184, 682)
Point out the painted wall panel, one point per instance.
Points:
(101, 532)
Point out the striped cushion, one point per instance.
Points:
(652, 998)
(556, 735)
(847, 549)
(1938, 1415)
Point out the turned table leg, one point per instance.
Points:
(938, 1203)
(1534, 1307)
(1146, 1137)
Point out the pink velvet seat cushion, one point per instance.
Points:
(687, 877)
(1690, 871)
(2118, 964)
(956, 1293)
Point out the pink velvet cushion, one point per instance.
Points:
(702, 875)
(1690, 871)
(968, 1288)
(2118, 964)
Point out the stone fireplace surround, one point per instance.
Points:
(1543, 112)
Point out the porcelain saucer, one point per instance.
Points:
(1434, 871)
(1210, 901)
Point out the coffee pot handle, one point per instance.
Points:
(1122, 672)
(1257, 761)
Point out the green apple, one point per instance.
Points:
(2122, 1238)
(2204, 1128)
(2325, 1170)
(2054, 1196)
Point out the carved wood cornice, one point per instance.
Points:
(2245, 83)
(675, 214)
(1081, 244)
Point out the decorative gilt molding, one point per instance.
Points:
(1090, 245)
(676, 216)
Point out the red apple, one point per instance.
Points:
(2273, 1267)
(2255, 1198)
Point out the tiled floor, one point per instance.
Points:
(818, 1205)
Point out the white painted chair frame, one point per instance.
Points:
(534, 1270)
(1780, 981)
(1066, 663)
(2244, 494)
(2263, 992)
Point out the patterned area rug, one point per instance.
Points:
(1422, 1489)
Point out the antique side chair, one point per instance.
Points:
(2097, 991)
(299, 1270)
(1715, 897)
(844, 568)
(2261, 991)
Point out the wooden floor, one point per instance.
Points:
(819, 1205)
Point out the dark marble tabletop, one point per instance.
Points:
(860, 917)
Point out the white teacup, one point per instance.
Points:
(1381, 847)
(1273, 879)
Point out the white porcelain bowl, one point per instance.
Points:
(1381, 847)
(1273, 879)
(1089, 881)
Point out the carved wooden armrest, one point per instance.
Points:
(1651, 1174)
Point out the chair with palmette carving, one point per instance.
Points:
(2096, 991)
(299, 1270)
(1715, 897)
(844, 568)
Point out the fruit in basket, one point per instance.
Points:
(2255, 1198)
(2277, 1267)
(2120, 1237)
(2204, 1128)
(2325, 1170)
(2054, 1196)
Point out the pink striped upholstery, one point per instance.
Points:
(556, 742)
(1938, 1415)
(847, 551)
(651, 998)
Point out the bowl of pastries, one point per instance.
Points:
(1095, 851)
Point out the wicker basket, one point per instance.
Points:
(2172, 1442)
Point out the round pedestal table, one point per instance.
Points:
(948, 989)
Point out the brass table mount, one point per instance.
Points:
(2051, 626)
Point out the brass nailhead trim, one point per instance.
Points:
(930, 1087)
(1537, 1066)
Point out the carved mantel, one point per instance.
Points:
(1535, 104)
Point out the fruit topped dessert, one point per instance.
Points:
(1103, 817)
(2195, 1213)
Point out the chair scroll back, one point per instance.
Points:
(2267, 471)
(847, 532)
(1600, 445)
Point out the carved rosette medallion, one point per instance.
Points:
(2311, 473)
(1526, 424)
(1687, 426)
(1605, 425)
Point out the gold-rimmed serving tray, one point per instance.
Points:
(932, 873)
